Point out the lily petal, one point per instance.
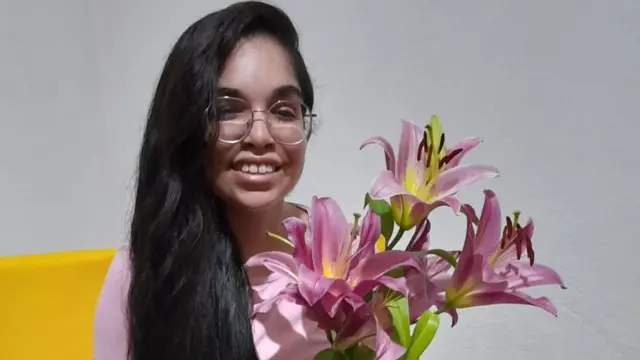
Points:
(437, 266)
(463, 147)
(358, 325)
(377, 265)
(289, 293)
(395, 284)
(450, 201)
(385, 186)
(453, 179)
(386, 349)
(318, 314)
(408, 209)
(422, 296)
(313, 286)
(490, 226)
(410, 137)
(276, 261)
(520, 274)
(369, 234)
(296, 230)
(473, 274)
(389, 153)
(469, 262)
(512, 297)
(329, 227)
(420, 239)
(454, 315)
(270, 286)
(340, 297)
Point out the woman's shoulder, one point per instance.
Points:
(117, 278)
(110, 324)
(119, 268)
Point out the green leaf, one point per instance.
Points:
(444, 255)
(387, 225)
(368, 296)
(380, 207)
(367, 198)
(395, 273)
(330, 354)
(423, 333)
(399, 311)
(360, 352)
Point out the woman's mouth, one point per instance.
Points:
(257, 175)
(257, 169)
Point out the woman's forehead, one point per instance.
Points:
(258, 69)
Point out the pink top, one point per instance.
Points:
(283, 333)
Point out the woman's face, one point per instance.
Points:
(258, 171)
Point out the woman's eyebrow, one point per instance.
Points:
(231, 92)
(284, 91)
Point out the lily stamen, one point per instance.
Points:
(514, 234)
(278, 237)
(423, 145)
(447, 158)
(428, 156)
(441, 147)
(354, 228)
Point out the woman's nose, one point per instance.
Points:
(259, 134)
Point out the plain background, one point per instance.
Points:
(552, 87)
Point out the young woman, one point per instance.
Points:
(224, 144)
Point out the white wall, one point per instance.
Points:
(551, 86)
(52, 132)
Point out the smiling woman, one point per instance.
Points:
(258, 75)
(224, 144)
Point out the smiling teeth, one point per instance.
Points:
(257, 169)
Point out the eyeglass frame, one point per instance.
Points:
(310, 116)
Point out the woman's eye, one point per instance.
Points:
(228, 112)
(285, 112)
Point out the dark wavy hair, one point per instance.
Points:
(189, 295)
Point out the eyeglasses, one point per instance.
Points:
(288, 121)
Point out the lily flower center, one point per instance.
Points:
(432, 154)
(338, 267)
(514, 239)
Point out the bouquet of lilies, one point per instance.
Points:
(375, 301)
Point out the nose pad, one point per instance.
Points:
(259, 133)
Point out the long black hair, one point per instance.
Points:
(189, 295)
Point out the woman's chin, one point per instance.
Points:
(255, 200)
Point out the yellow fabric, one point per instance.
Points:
(47, 304)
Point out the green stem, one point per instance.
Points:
(329, 336)
(395, 240)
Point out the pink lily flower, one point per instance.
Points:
(425, 174)
(491, 268)
(332, 267)
(428, 285)
(369, 326)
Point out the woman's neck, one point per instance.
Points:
(251, 227)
